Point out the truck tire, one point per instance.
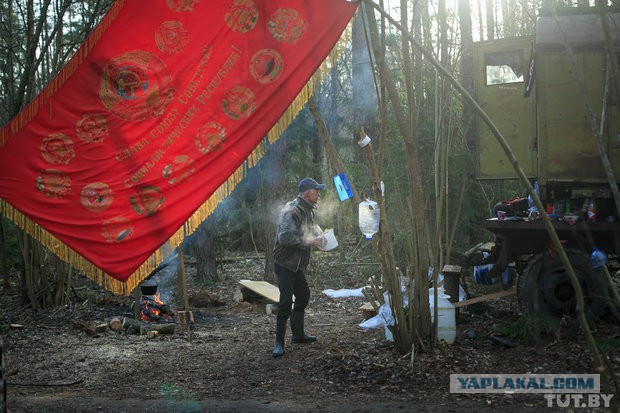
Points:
(545, 289)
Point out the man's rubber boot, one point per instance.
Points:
(297, 327)
(278, 349)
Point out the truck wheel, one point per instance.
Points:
(545, 289)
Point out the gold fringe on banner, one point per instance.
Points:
(88, 269)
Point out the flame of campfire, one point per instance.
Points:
(153, 309)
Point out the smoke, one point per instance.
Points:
(274, 207)
(327, 209)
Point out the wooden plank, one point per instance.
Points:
(456, 269)
(263, 288)
(486, 297)
(368, 306)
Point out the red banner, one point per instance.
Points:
(161, 104)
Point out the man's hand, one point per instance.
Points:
(317, 242)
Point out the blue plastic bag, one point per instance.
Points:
(343, 187)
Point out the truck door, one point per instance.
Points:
(502, 86)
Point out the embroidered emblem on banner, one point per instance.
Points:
(242, 16)
(53, 183)
(96, 197)
(171, 37)
(238, 102)
(210, 137)
(181, 169)
(136, 86)
(286, 25)
(92, 127)
(266, 66)
(116, 229)
(57, 149)
(182, 5)
(147, 200)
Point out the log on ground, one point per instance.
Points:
(132, 326)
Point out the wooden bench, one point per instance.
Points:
(263, 288)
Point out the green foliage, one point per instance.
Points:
(607, 345)
(529, 327)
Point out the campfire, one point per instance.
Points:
(152, 309)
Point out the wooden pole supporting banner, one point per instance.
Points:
(184, 318)
(182, 278)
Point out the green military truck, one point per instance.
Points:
(542, 93)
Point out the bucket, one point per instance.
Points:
(330, 240)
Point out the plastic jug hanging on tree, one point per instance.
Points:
(369, 215)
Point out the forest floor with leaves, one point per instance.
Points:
(55, 363)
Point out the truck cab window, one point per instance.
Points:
(504, 67)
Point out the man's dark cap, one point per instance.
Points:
(309, 183)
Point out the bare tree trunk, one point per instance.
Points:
(62, 282)
(275, 184)
(480, 20)
(204, 250)
(28, 275)
(405, 334)
(41, 270)
(441, 116)
(7, 72)
(490, 12)
(467, 64)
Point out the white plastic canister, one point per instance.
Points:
(446, 316)
(369, 215)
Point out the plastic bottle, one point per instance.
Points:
(549, 206)
(598, 258)
(369, 218)
(530, 201)
(591, 210)
(549, 209)
(532, 210)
